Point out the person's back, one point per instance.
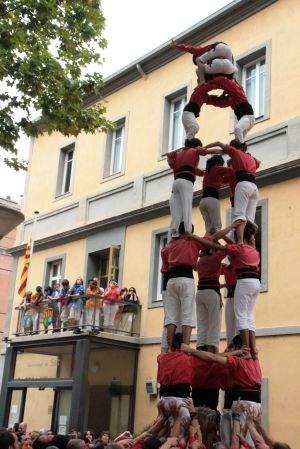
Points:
(7, 440)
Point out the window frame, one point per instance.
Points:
(47, 267)
(256, 62)
(56, 279)
(61, 171)
(245, 59)
(155, 264)
(65, 170)
(110, 149)
(183, 99)
(113, 150)
(165, 135)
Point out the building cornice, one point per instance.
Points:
(214, 25)
(272, 175)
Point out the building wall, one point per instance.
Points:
(5, 271)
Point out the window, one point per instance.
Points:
(177, 134)
(172, 131)
(254, 82)
(114, 150)
(65, 170)
(159, 240)
(254, 75)
(105, 263)
(55, 273)
(54, 270)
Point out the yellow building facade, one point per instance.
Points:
(98, 192)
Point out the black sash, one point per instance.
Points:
(242, 175)
(210, 192)
(181, 271)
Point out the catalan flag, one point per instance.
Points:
(24, 275)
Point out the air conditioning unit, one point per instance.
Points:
(151, 387)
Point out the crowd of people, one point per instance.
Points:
(67, 306)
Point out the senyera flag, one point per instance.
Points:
(24, 275)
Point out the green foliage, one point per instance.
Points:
(46, 50)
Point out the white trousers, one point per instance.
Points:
(36, 321)
(211, 213)
(164, 343)
(184, 414)
(180, 303)
(89, 317)
(245, 201)
(126, 322)
(242, 127)
(109, 312)
(190, 124)
(226, 422)
(208, 308)
(230, 320)
(221, 50)
(181, 203)
(246, 293)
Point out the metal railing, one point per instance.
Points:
(86, 313)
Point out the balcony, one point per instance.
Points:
(87, 314)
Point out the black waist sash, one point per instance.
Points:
(209, 284)
(242, 175)
(178, 391)
(244, 108)
(210, 192)
(189, 174)
(181, 271)
(206, 397)
(192, 107)
(252, 393)
(247, 273)
(165, 278)
(230, 290)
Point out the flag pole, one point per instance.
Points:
(36, 214)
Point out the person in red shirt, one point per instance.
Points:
(184, 163)
(246, 260)
(208, 299)
(217, 59)
(246, 193)
(214, 176)
(174, 374)
(180, 259)
(110, 307)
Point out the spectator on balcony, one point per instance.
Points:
(118, 317)
(93, 305)
(76, 303)
(110, 307)
(65, 305)
(36, 301)
(129, 311)
(47, 309)
(26, 320)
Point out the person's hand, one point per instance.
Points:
(239, 407)
(185, 348)
(237, 223)
(173, 43)
(172, 441)
(190, 405)
(161, 409)
(174, 409)
(126, 443)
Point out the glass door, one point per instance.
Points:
(61, 412)
(16, 409)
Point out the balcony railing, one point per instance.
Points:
(87, 313)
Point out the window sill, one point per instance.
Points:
(154, 304)
(62, 196)
(110, 177)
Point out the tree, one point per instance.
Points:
(47, 48)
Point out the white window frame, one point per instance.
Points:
(182, 99)
(113, 150)
(255, 62)
(55, 279)
(65, 170)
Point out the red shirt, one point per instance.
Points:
(114, 293)
(243, 255)
(174, 368)
(241, 160)
(215, 176)
(209, 266)
(186, 157)
(205, 374)
(229, 274)
(198, 51)
(231, 181)
(164, 258)
(182, 251)
(243, 372)
(236, 94)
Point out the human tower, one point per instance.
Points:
(200, 373)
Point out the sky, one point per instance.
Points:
(133, 28)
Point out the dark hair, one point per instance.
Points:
(237, 341)
(65, 281)
(177, 341)
(151, 443)
(6, 439)
(182, 230)
(48, 289)
(249, 230)
(237, 144)
(132, 288)
(215, 160)
(281, 446)
(193, 143)
(41, 442)
(38, 288)
(105, 432)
